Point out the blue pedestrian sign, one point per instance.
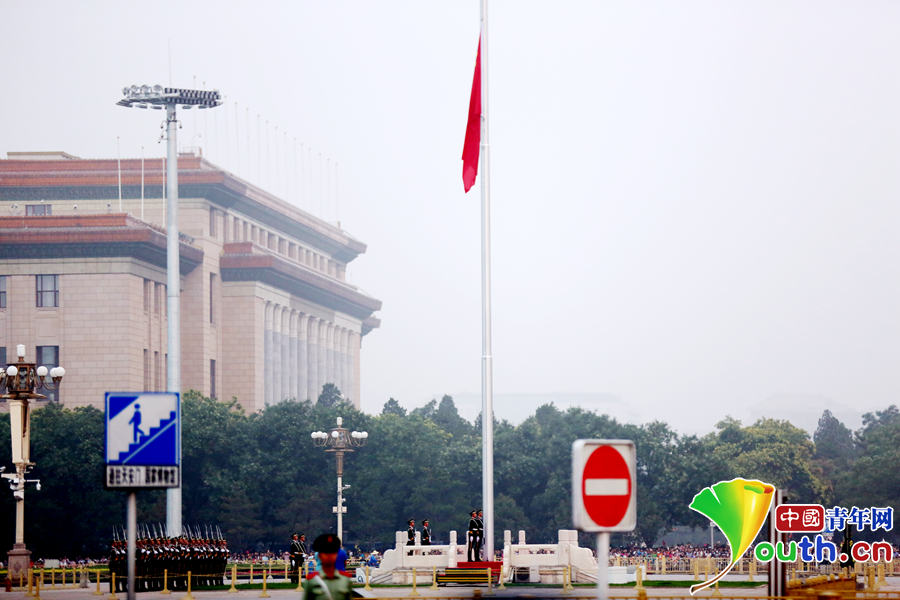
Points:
(143, 440)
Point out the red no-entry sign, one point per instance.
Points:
(603, 486)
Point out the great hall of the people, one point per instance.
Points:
(266, 311)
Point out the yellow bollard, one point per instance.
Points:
(306, 570)
(434, 584)
(752, 568)
(618, 561)
(662, 564)
(30, 592)
(251, 573)
(52, 578)
(500, 586)
(696, 567)
(232, 589)
(717, 592)
(881, 579)
(37, 590)
(414, 592)
(870, 579)
(189, 596)
(300, 578)
(490, 577)
(639, 583)
(368, 587)
(286, 578)
(97, 592)
(264, 593)
(165, 589)
(112, 592)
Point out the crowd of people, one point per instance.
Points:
(673, 552)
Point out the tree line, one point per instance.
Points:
(259, 477)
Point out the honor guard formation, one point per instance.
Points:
(202, 551)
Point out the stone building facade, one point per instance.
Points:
(267, 313)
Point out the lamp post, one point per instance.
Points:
(339, 441)
(157, 97)
(21, 379)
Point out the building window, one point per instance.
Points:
(147, 295)
(47, 290)
(212, 222)
(2, 291)
(212, 287)
(146, 370)
(38, 210)
(212, 378)
(49, 357)
(3, 366)
(157, 296)
(156, 372)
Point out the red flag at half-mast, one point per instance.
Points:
(473, 128)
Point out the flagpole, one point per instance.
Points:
(487, 384)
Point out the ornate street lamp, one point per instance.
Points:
(339, 441)
(21, 379)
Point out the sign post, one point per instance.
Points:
(143, 435)
(604, 495)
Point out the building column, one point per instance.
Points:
(312, 362)
(348, 365)
(336, 358)
(300, 365)
(276, 354)
(267, 355)
(357, 350)
(340, 361)
(292, 356)
(329, 354)
(285, 353)
(322, 357)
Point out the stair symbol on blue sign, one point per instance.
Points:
(157, 447)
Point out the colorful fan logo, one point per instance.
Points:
(739, 508)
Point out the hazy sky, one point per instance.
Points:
(695, 203)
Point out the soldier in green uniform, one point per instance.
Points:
(472, 536)
(297, 554)
(329, 584)
(411, 532)
(426, 533)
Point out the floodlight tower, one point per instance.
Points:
(159, 97)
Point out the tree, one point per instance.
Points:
(331, 395)
(392, 407)
(874, 480)
(835, 453)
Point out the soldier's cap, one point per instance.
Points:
(411, 521)
(426, 521)
(295, 535)
(327, 543)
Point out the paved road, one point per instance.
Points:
(443, 593)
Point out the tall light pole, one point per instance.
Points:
(157, 97)
(21, 379)
(339, 441)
